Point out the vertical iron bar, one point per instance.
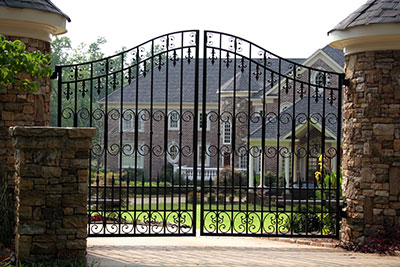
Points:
(233, 135)
(219, 119)
(195, 129)
(294, 158)
(136, 117)
(105, 150)
(59, 90)
(180, 136)
(76, 97)
(90, 154)
(203, 130)
(151, 128)
(338, 151)
(166, 135)
(308, 149)
(249, 115)
(323, 153)
(261, 174)
(121, 142)
(278, 149)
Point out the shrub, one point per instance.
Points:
(167, 174)
(385, 241)
(230, 179)
(130, 173)
(6, 213)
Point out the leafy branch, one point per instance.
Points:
(19, 67)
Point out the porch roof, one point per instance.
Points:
(301, 112)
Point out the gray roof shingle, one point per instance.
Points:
(372, 12)
(336, 54)
(174, 82)
(42, 5)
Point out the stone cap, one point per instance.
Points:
(46, 131)
(37, 19)
(372, 12)
(372, 27)
(43, 5)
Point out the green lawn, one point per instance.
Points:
(243, 221)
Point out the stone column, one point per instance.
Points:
(20, 108)
(52, 185)
(33, 25)
(371, 143)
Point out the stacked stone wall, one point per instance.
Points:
(51, 189)
(19, 108)
(371, 143)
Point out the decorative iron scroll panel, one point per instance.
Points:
(278, 154)
(143, 102)
(182, 142)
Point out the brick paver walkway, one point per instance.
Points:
(222, 251)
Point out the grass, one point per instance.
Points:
(244, 221)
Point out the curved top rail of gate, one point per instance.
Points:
(95, 79)
(229, 46)
(137, 55)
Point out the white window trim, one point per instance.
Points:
(230, 133)
(138, 154)
(177, 122)
(132, 129)
(208, 121)
(240, 161)
(207, 159)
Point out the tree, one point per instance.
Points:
(64, 54)
(20, 68)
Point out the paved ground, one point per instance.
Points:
(222, 251)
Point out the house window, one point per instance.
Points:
(173, 153)
(128, 124)
(312, 167)
(319, 80)
(129, 156)
(227, 132)
(243, 161)
(173, 120)
(207, 157)
(201, 122)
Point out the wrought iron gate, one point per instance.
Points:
(238, 142)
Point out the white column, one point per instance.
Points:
(333, 164)
(262, 170)
(251, 170)
(287, 162)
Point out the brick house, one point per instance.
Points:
(171, 100)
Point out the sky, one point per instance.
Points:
(288, 28)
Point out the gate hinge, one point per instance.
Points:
(55, 73)
(346, 82)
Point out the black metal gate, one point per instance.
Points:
(239, 142)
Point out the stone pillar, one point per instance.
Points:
(371, 143)
(52, 185)
(370, 38)
(19, 108)
(32, 24)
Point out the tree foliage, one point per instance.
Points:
(65, 54)
(21, 68)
